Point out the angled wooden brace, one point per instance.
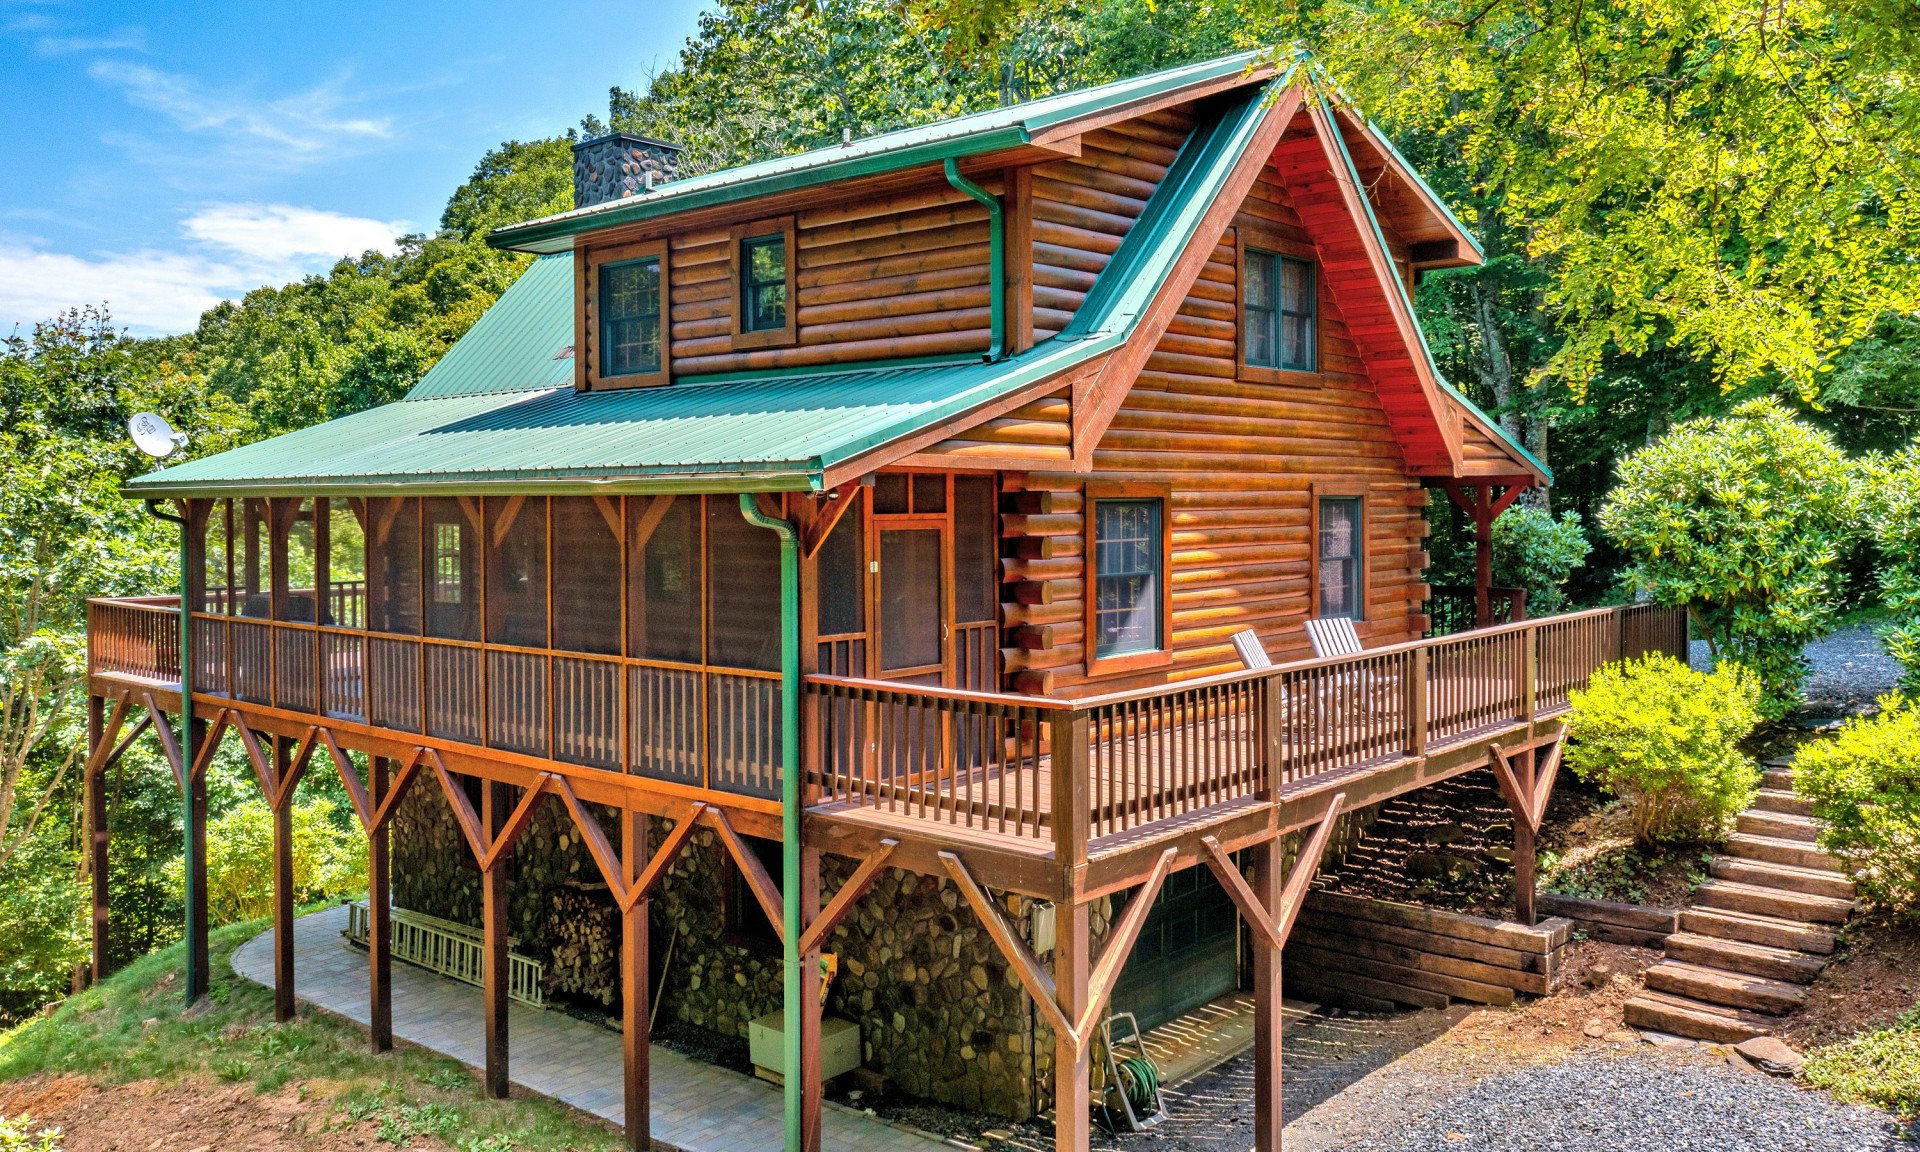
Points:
(1527, 798)
(608, 861)
(263, 773)
(487, 849)
(169, 743)
(372, 819)
(754, 873)
(203, 755)
(1120, 943)
(1026, 965)
(296, 771)
(826, 518)
(1273, 930)
(106, 752)
(843, 901)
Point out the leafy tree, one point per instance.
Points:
(1741, 520)
(1667, 739)
(1893, 518)
(1534, 551)
(329, 859)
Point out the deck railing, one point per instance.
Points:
(994, 763)
(714, 728)
(1009, 764)
(1454, 608)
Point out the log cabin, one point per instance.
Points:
(847, 550)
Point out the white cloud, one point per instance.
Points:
(231, 249)
(304, 124)
(133, 38)
(282, 234)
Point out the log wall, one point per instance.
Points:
(1241, 458)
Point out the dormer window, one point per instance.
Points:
(763, 284)
(630, 317)
(623, 322)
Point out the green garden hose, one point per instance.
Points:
(1140, 1080)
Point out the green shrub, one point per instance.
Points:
(1742, 520)
(21, 1134)
(328, 860)
(1534, 551)
(1865, 788)
(1667, 739)
(1893, 517)
(1880, 1068)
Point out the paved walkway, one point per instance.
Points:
(696, 1107)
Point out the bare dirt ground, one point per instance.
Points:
(191, 1116)
(1874, 980)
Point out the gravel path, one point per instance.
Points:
(1640, 1100)
(1850, 671)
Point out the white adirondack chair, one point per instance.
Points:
(1252, 653)
(1334, 636)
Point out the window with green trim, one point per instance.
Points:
(1279, 309)
(763, 282)
(630, 317)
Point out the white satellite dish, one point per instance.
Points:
(154, 436)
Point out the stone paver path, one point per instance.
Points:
(696, 1107)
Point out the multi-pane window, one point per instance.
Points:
(1127, 577)
(448, 547)
(1339, 557)
(1279, 311)
(630, 317)
(763, 282)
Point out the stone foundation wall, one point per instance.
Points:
(941, 1015)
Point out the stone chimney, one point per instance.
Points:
(617, 166)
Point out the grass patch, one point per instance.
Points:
(1880, 1068)
(135, 1026)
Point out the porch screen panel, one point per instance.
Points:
(744, 618)
(251, 557)
(299, 592)
(976, 584)
(517, 570)
(346, 564)
(393, 555)
(393, 683)
(665, 582)
(586, 712)
(910, 593)
(217, 556)
(840, 596)
(586, 574)
(516, 701)
(452, 560)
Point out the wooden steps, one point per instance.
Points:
(1728, 989)
(1786, 877)
(1756, 934)
(1738, 956)
(1660, 1012)
(1773, 850)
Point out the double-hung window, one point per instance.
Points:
(1129, 547)
(763, 283)
(630, 317)
(1277, 310)
(1338, 554)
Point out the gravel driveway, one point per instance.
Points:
(1637, 1101)
(1850, 671)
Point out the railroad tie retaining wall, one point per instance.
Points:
(1615, 923)
(1374, 954)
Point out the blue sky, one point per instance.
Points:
(161, 157)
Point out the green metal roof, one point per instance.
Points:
(524, 341)
(499, 412)
(960, 137)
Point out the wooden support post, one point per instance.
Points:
(1072, 1083)
(636, 1009)
(379, 916)
(283, 1008)
(98, 834)
(1482, 556)
(495, 805)
(1527, 784)
(810, 1007)
(1268, 884)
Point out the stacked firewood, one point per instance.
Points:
(583, 940)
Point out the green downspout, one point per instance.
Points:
(996, 254)
(789, 802)
(196, 979)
